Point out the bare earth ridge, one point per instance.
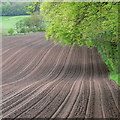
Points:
(43, 80)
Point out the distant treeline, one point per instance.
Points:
(15, 8)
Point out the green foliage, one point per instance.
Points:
(33, 23)
(115, 77)
(9, 22)
(34, 7)
(14, 8)
(11, 31)
(85, 23)
(23, 30)
(107, 48)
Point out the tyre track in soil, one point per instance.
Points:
(44, 80)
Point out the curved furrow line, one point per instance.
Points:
(79, 108)
(80, 77)
(24, 94)
(27, 104)
(49, 108)
(7, 41)
(16, 100)
(59, 69)
(37, 55)
(85, 95)
(102, 84)
(60, 66)
(113, 89)
(64, 108)
(11, 50)
(21, 62)
(59, 72)
(63, 79)
(109, 107)
(32, 90)
(19, 94)
(112, 86)
(108, 101)
(97, 111)
(91, 103)
(45, 77)
(114, 92)
(48, 63)
(98, 106)
(91, 92)
(39, 73)
(44, 101)
(9, 53)
(71, 113)
(16, 54)
(7, 45)
(55, 105)
(20, 43)
(35, 67)
(21, 40)
(20, 85)
(2, 53)
(27, 101)
(55, 82)
(102, 105)
(14, 47)
(12, 56)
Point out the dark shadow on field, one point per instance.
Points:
(94, 66)
(80, 69)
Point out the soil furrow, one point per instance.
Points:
(43, 80)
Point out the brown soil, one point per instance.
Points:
(43, 80)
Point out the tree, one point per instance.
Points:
(15, 8)
(34, 7)
(85, 23)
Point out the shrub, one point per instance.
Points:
(30, 24)
(23, 30)
(11, 31)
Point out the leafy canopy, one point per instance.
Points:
(75, 22)
(85, 23)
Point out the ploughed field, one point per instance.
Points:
(43, 80)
